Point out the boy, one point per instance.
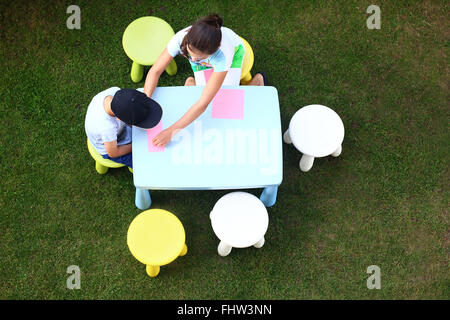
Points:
(110, 116)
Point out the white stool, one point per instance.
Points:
(316, 131)
(240, 220)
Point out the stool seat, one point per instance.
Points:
(143, 41)
(145, 38)
(240, 220)
(316, 131)
(155, 238)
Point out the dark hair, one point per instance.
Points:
(204, 35)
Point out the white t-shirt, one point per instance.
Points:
(220, 60)
(101, 127)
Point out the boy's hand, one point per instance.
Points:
(163, 138)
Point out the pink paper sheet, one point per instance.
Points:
(151, 133)
(228, 104)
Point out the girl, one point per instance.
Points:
(207, 45)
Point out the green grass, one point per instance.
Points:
(384, 201)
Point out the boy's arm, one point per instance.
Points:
(115, 151)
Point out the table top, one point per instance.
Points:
(145, 38)
(156, 237)
(316, 130)
(213, 153)
(239, 219)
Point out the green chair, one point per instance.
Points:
(143, 41)
(101, 164)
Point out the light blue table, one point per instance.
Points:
(212, 153)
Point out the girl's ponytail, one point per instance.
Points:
(212, 19)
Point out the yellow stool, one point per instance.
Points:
(143, 41)
(247, 64)
(156, 237)
(101, 164)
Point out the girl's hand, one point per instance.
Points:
(163, 138)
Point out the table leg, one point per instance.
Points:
(337, 152)
(224, 249)
(260, 243)
(306, 162)
(142, 200)
(152, 271)
(171, 68)
(269, 195)
(137, 72)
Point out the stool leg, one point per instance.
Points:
(269, 195)
(183, 251)
(171, 68)
(143, 200)
(306, 162)
(224, 249)
(246, 79)
(152, 271)
(137, 72)
(287, 137)
(337, 152)
(100, 168)
(260, 243)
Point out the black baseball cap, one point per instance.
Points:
(135, 108)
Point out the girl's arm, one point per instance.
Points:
(208, 93)
(155, 72)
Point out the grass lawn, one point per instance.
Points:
(383, 202)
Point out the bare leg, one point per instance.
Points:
(190, 81)
(257, 80)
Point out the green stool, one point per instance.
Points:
(143, 41)
(101, 164)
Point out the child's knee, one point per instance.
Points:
(190, 82)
